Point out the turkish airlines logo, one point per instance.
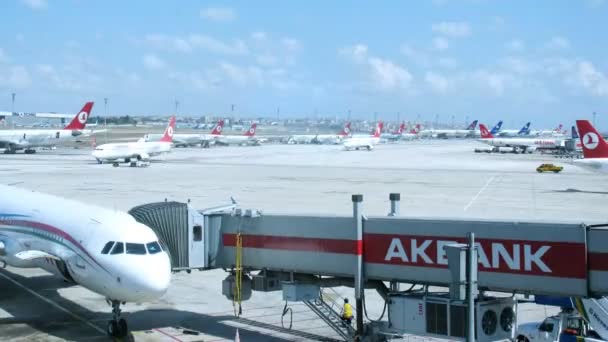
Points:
(591, 140)
(251, 130)
(218, 128)
(485, 131)
(82, 117)
(170, 131)
(346, 130)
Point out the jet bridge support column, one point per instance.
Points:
(359, 283)
(395, 198)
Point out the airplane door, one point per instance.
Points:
(57, 135)
(196, 234)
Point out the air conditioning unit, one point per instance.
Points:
(496, 319)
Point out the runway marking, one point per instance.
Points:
(479, 193)
(48, 301)
(166, 334)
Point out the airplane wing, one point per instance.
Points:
(34, 254)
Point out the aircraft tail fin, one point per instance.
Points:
(485, 134)
(574, 133)
(168, 135)
(496, 128)
(594, 145)
(217, 130)
(80, 120)
(378, 129)
(346, 130)
(525, 129)
(251, 131)
(473, 125)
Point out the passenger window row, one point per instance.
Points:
(114, 247)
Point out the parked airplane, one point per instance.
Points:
(191, 139)
(519, 144)
(105, 251)
(450, 133)
(134, 152)
(556, 132)
(396, 135)
(364, 142)
(30, 139)
(595, 148)
(525, 130)
(321, 138)
(248, 138)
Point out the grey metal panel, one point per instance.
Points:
(598, 282)
(169, 220)
(512, 230)
(597, 240)
(330, 227)
(292, 261)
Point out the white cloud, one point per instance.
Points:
(515, 45)
(595, 3)
(452, 29)
(291, 44)
(242, 75)
(357, 53)
(592, 79)
(440, 43)
(3, 56)
(389, 75)
(385, 74)
(259, 35)
(17, 77)
(35, 4)
(20, 38)
(266, 59)
(193, 41)
(437, 82)
(558, 43)
(495, 81)
(447, 62)
(153, 62)
(218, 14)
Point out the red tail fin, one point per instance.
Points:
(251, 131)
(594, 145)
(401, 129)
(485, 133)
(378, 130)
(217, 130)
(345, 130)
(416, 129)
(168, 136)
(80, 120)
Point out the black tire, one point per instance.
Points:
(123, 327)
(115, 164)
(522, 339)
(113, 329)
(99, 161)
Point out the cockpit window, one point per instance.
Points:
(107, 247)
(153, 247)
(119, 248)
(136, 248)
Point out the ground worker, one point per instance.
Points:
(347, 312)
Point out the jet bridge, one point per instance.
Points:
(274, 251)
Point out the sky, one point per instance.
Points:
(541, 61)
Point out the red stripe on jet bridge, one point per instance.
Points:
(546, 258)
(359, 247)
(598, 261)
(341, 246)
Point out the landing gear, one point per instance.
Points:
(29, 151)
(117, 327)
(115, 164)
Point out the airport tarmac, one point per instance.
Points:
(435, 179)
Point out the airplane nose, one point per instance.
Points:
(160, 277)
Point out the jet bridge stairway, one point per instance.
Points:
(324, 307)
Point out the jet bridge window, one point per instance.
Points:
(136, 248)
(153, 247)
(197, 233)
(107, 247)
(119, 248)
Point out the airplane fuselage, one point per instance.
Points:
(134, 150)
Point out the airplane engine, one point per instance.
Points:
(9, 249)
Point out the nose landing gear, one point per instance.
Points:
(117, 327)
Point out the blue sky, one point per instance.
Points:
(543, 61)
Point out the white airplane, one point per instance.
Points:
(450, 133)
(30, 139)
(519, 144)
(364, 142)
(525, 130)
(595, 148)
(556, 132)
(401, 134)
(104, 251)
(248, 138)
(191, 139)
(321, 138)
(134, 152)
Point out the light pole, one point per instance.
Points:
(348, 117)
(594, 115)
(278, 113)
(176, 106)
(13, 102)
(105, 117)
